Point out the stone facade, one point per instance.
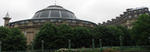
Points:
(32, 26)
(128, 17)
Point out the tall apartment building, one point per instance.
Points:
(128, 17)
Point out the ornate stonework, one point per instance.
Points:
(128, 17)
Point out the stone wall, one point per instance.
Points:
(31, 27)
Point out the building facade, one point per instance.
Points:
(128, 17)
(54, 14)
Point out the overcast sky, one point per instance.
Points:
(91, 10)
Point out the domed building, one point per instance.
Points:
(54, 14)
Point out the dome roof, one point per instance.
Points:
(54, 11)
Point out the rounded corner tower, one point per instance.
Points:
(54, 11)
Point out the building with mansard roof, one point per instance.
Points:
(54, 14)
(128, 17)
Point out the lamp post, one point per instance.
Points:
(93, 45)
(32, 46)
(0, 46)
(149, 40)
(42, 45)
(121, 43)
(69, 43)
(100, 44)
(120, 40)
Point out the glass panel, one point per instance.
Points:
(44, 14)
(71, 15)
(37, 15)
(64, 14)
(55, 13)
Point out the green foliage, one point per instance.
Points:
(110, 35)
(12, 39)
(56, 37)
(18, 37)
(48, 33)
(4, 35)
(81, 37)
(62, 36)
(141, 30)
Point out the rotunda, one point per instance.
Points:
(54, 14)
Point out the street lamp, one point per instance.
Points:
(149, 40)
(69, 43)
(120, 40)
(93, 43)
(32, 46)
(121, 43)
(0, 46)
(42, 45)
(100, 43)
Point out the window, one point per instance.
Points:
(74, 21)
(36, 20)
(69, 21)
(44, 14)
(135, 11)
(146, 9)
(42, 20)
(22, 22)
(130, 16)
(55, 13)
(53, 20)
(25, 33)
(59, 20)
(26, 21)
(64, 14)
(135, 15)
(71, 15)
(37, 15)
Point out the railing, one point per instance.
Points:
(103, 49)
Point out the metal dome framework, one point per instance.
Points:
(54, 11)
(62, 16)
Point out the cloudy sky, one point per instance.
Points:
(91, 10)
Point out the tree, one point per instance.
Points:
(64, 33)
(102, 32)
(81, 37)
(126, 36)
(110, 35)
(18, 37)
(12, 39)
(141, 30)
(56, 37)
(4, 35)
(48, 33)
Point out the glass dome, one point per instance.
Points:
(54, 11)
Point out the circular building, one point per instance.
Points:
(54, 14)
